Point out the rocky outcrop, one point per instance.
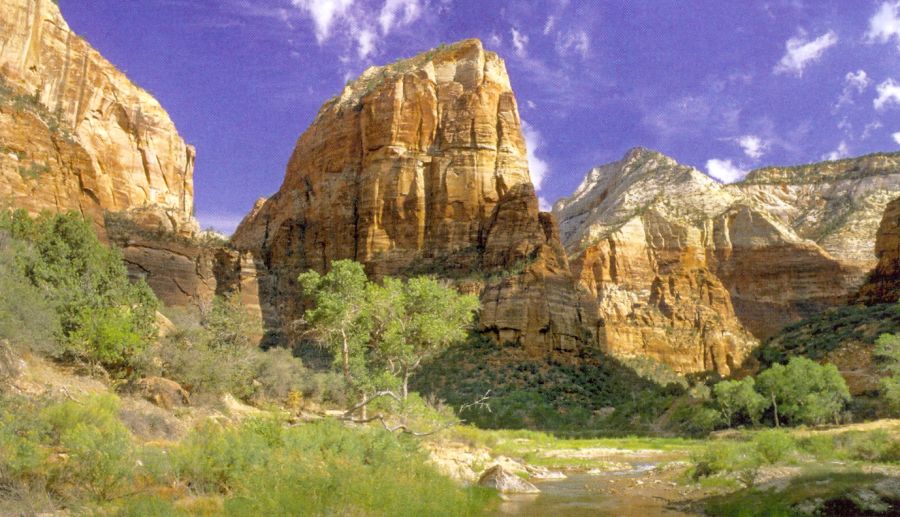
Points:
(692, 273)
(76, 134)
(506, 482)
(421, 167)
(883, 283)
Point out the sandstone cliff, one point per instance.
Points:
(76, 134)
(692, 273)
(420, 167)
(883, 283)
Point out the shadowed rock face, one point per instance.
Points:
(692, 273)
(883, 284)
(76, 134)
(420, 167)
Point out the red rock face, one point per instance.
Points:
(420, 167)
(694, 274)
(883, 283)
(75, 133)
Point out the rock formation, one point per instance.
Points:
(883, 283)
(692, 273)
(75, 133)
(420, 167)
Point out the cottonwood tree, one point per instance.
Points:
(804, 391)
(740, 397)
(380, 334)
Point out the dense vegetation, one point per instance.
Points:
(598, 395)
(815, 337)
(78, 455)
(55, 263)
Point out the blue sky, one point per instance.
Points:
(723, 86)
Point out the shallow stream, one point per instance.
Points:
(616, 493)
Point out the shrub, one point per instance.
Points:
(26, 318)
(736, 398)
(103, 317)
(773, 445)
(722, 457)
(887, 351)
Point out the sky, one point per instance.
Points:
(725, 87)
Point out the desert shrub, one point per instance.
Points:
(26, 318)
(725, 457)
(104, 318)
(773, 445)
(73, 449)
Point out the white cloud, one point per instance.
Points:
(398, 12)
(885, 24)
(753, 146)
(842, 151)
(870, 128)
(356, 23)
(520, 42)
(888, 93)
(854, 83)
(801, 52)
(548, 27)
(538, 168)
(323, 13)
(531, 104)
(365, 39)
(573, 42)
(896, 137)
(724, 170)
(495, 40)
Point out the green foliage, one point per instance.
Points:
(103, 316)
(739, 398)
(380, 334)
(27, 320)
(79, 453)
(73, 449)
(721, 457)
(773, 445)
(219, 355)
(887, 351)
(815, 337)
(569, 399)
(805, 391)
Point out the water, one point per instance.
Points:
(615, 493)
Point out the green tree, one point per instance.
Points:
(740, 397)
(417, 320)
(887, 350)
(804, 391)
(381, 333)
(103, 316)
(340, 316)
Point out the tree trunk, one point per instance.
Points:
(775, 406)
(405, 392)
(345, 356)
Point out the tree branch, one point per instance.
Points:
(399, 427)
(386, 393)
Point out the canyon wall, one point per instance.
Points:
(694, 273)
(421, 167)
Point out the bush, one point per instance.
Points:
(773, 445)
(26, 318)
(723, 457)
(74, 449)
(103, 317)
